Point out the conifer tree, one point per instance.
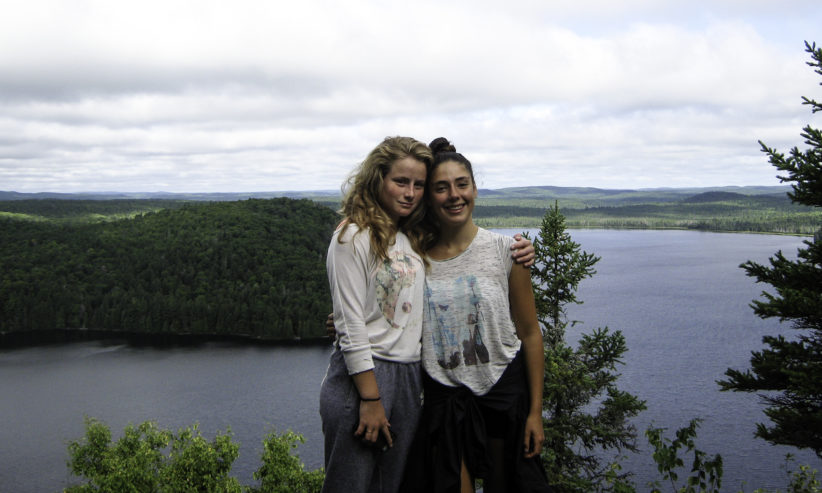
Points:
(560, 267)
(790, 368)
(585, 413)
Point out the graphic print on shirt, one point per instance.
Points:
(394, 279)
(457, 322)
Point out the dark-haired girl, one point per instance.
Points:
(481, 349)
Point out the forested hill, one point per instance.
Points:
(253, 267)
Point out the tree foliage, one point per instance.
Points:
(789, 370)
(79, 211)
(560, 267)
(148, 459)
(282, 472)
(706, 471)
(137, 462)
(584, 411)
(252, 267)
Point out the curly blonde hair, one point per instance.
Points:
(361, 205)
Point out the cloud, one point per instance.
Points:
(216, 96)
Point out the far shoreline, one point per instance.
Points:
(671, 228)
(45, 337)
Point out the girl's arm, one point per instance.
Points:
(524, 315)
(348, 267)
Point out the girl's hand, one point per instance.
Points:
(373, 422)
(523, 251)
(534, 435)
(330, 328)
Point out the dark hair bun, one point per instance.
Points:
(441, 144)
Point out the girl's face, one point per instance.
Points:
(452, 194)
(403, 188)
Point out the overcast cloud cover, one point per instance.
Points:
(247, 95)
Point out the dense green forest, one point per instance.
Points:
(255, 267)
(251, 267)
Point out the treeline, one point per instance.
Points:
(253, 268)
(710, 211)
(82, 211)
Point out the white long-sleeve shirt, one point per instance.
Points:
(378, 304)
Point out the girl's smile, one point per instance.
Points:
(453, 193)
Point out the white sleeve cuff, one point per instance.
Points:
(358, 361)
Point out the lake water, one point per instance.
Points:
(678, 296)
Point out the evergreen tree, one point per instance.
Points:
(559, 270)
(585, 413)
(790, 369)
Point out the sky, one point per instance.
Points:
(269, 95)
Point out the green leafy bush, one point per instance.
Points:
(706, 472)
(148, 459)
(137, 462)
(282, 472)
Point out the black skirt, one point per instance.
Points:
(456, 424)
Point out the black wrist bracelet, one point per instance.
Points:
(369, 400)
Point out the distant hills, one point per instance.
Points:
(526, 193)
(765, 209)
(209, 197)
(580, 197)
(662, 193)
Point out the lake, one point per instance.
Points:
(678, 297)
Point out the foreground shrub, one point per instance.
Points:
(148, 459)
(706, 472)
(282, 472)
